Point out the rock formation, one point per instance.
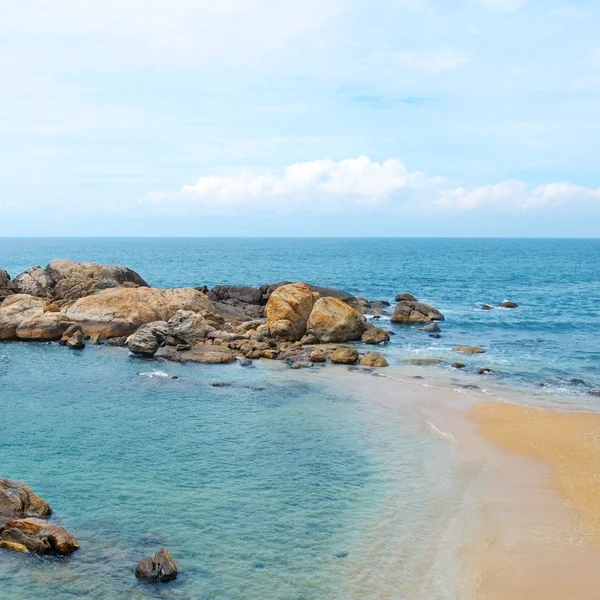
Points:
(288, 309)
(161, 569)
(407, 312)
(332, 320)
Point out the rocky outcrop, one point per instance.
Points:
(17, 500)
(374, 336)
(49, 326)
(344, 356)
(148, 338)
(161, 569)
(34, 281)
(468, 349)
(37, 535)
(74, 280)
(373, 359)
(407, 312)
(119, 312)
(14, 310)
(332, 320)
(5, 289)
(288, 310)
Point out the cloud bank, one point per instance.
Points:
(325, 184)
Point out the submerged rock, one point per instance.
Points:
(39, 536)
(201, 353)
(332, 320)
(485, 307)
(407, 312)
(161, 569)
(458, 365)
(468, 349)
(288, 310)
(508, 304)
(431, 328)
(344, 356)
(422, 361)
(484, 371)
(17, 500)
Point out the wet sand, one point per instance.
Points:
(535, 477)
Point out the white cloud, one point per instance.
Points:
(431, 62)
(325, 184)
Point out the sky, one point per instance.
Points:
(300, 118)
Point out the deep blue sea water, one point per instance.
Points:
(268, 489)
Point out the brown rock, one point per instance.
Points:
(288, 309)
(201, 353)
(484, 371)
(372, 359)
(344, 356)
(407, 312)
(375, 335)
(76, 341)
(508, 304)
(13, 546)
(120, 311)
(47, 326)
(318, 356)
(458, 365)
(332, 320)
(160, 570)
(405, 298)
(469, 349)
(485, 307)
(17, 500)
(147, 339)
(52, 308)
(40, 536)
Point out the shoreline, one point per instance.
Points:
(537, 532)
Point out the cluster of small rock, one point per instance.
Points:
(24, 528)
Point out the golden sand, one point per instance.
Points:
(539, 547)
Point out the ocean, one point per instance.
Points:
(276, 485)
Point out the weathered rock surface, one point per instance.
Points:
(468, 349)
(76, 341)
(200, 353)
(161, 569)
(415, 312)
(344, 356)
(431, 328)
(147, 339)
(332, 320)
(318, 356)
(14, 310)
(373, 359)
(17, 500)
(288, 310)
(375, 335)
(405, 298)
(5, 289)
(74, 280)
(120, 311)
(236, 294)
(190, 327)
(40, 536)
(34, 281)
(47, 326)
(508, 304)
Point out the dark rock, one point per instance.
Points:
(378, 304)
(458, 365)
(76, 342)
(221, 384)
(160, 570)
(148, 338)
(576, 381)
(245, 362)
(485, 307)
(435, 336)
(407, 312)
(405, 298)
(237, 294)
(508, 304)
(422, 361)
(484, 371)
(431, 328)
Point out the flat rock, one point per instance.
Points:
(422, 361)
(48, 326)
(468, 349)
(201, 353)
(14, 310)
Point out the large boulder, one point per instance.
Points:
(236, 294)
(120, 311)
(74, 280)
(40, 536)
(344, 356)
(373, 359)
(17, 500)
(189, 327)
(16, 309)
(407, 312)
(48, 326)
(34, 281)
(288, 309)
(147, 339)
(332, 320)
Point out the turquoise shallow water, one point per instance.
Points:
(263, 489)
(552, 339)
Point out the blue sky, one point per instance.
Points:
(303, 117)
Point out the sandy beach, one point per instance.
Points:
(533, 523)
